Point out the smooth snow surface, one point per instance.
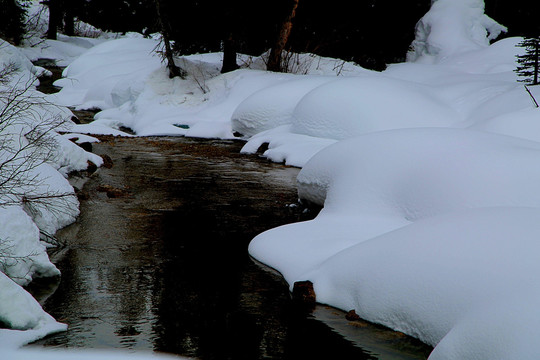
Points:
(358, 105)
(471, 279)
(422, 236)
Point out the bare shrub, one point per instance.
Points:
(27, 141)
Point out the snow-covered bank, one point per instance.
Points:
(36, 199)
(429, 231)
(127, 80)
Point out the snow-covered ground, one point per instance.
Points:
(427, 172)
(36, 198)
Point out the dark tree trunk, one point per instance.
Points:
(69, 22)
(274, 59)
(54, 18)
(229, 55)
(174, 70)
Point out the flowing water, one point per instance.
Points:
(158, 261)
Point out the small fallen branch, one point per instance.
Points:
(531, 95)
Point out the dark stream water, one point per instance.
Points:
(158, 261)
(162, 265)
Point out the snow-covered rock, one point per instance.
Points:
(22, 313)
(357, 105)
(451, 27)
(425, 231)
(273, 106)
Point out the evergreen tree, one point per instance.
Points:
(528, 63)
(12, 20)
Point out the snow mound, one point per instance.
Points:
(272, 106)
(285, 146)
(353, 106)
(22, 313)
(451, 27)
(466, 280)
(425, 231)
(108, 74)
(22, 256)
(424, 172)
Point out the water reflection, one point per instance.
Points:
(165, 267)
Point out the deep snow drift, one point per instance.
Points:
(36, 199)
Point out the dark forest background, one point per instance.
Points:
(372, 33)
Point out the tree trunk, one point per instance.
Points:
(229, 55)
(54, 18)
(274, 59)
(69, 21)
(174, 70)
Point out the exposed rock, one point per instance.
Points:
(352, 315)
(82, 195)
(107, 161)
(262, 149)
(86, 146)
(303, 292)
(111, 191)
(91, 167)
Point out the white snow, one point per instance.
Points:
(35, 196)
(451, 27)
(66, 48)
(427, 171)
(21, 312)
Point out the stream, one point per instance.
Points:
(158, 261)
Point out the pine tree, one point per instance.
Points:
(12, 20)
(528, 63)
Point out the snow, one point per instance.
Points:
(127, 81)
(36, 198)
(451, 27)
(427, 172)
(357, 105)
(431, 211)
(378, 188)
(275, 103)
(66, 48)
(462, 271)
(20, 311)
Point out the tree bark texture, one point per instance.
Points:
(54, 18)
(174, 70)
(275, 58)
(229, 55)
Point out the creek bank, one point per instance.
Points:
(164, 267)
(158, 260)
